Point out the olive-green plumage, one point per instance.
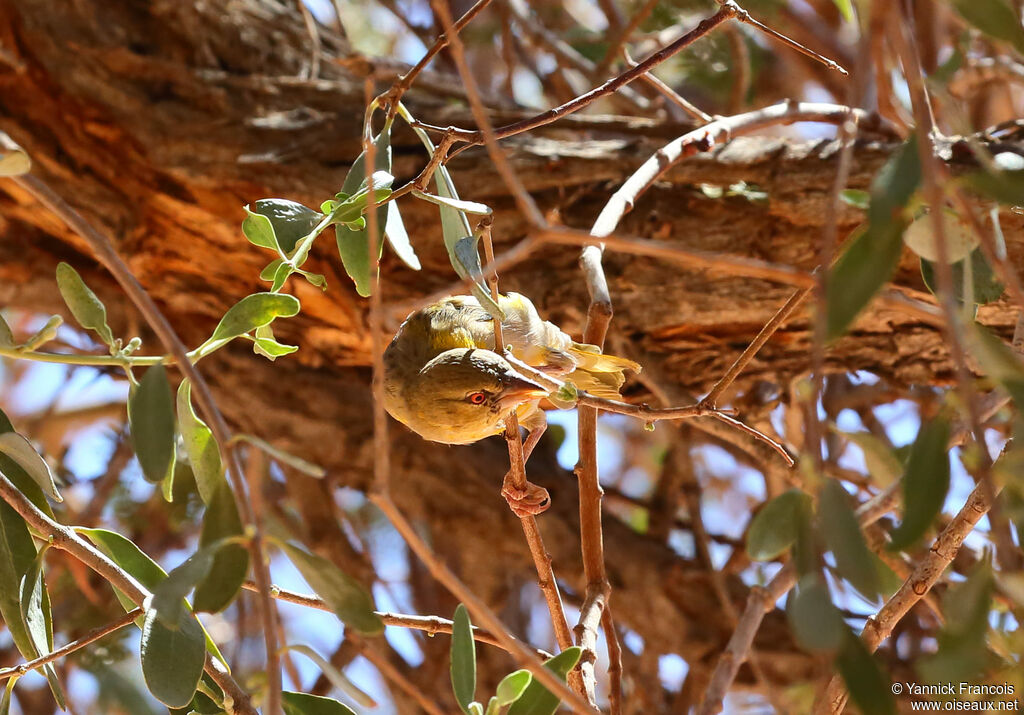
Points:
(443, 380)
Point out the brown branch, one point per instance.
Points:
(920, 582)
(430, 625)
(705, 26)
(480, 612)
(393, 96)
(66, 539)
(108, 256)
(88, 639)
(762, 600)
(517, 459)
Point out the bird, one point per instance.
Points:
(444, 380)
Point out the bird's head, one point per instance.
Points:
(463, 395)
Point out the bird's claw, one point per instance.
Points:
(528, 500)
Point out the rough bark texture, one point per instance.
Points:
(160, 120)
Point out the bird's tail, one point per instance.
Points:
(599, 374)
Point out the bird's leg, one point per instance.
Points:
(528, 499)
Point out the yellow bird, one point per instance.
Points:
(443, 380)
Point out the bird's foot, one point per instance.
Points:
(528, 500)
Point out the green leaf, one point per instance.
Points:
(998, 360)
(231, 563)
(463, 659)
(200, 446)
(470, 207)
(88, 310)
(921, 238)
(869, 688)
(454, 227)
(871, 257)
(816, 623)
(354, 245)
(857, 198)
(172, 658)
(346, 596)
(305, 704)
(143, 569)
(279, 223)
(293, 461)
(36, 615)
(985, 287)
(1003, 185)
(19, 477)
(44, 335)
(270, 270)
(17, 557)
(336, 677)
(775, 527)
(251, 312)
(6, 336)
(963, 649)
(925, 483)
(845, 8)
(512, 686)
(21, 451)
(5, 700)
(151, 416)
(882, 463)
(169, 595)
(537, 699)
(842, 533)
(398, 237)
(264, 344)
(995, 18)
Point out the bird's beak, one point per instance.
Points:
(520, 389)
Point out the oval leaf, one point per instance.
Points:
(925, 483)
(172, 658)
(463, 659)
(200, 446)
(983, 286)
(19, 477)
(869, 687)
(151, 417)
(17, 556)
(231, 563)
(88, 310)
(346, 596)
(871, 257)
(21, 451)
(816, 623)
(254, 311)
(398, 237)
(995, 18)
(538, 700)
(305, 704)
(882, 463)
(36, 615)
(289, 221)
(842, 533)
(512, 686)
(776, 526)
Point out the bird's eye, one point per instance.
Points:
(477, 398)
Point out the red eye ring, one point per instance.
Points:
(477, 398)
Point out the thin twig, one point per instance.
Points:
(480, 612)
(88, 639)
(517, 464)
(430, 625)
(403, 83)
